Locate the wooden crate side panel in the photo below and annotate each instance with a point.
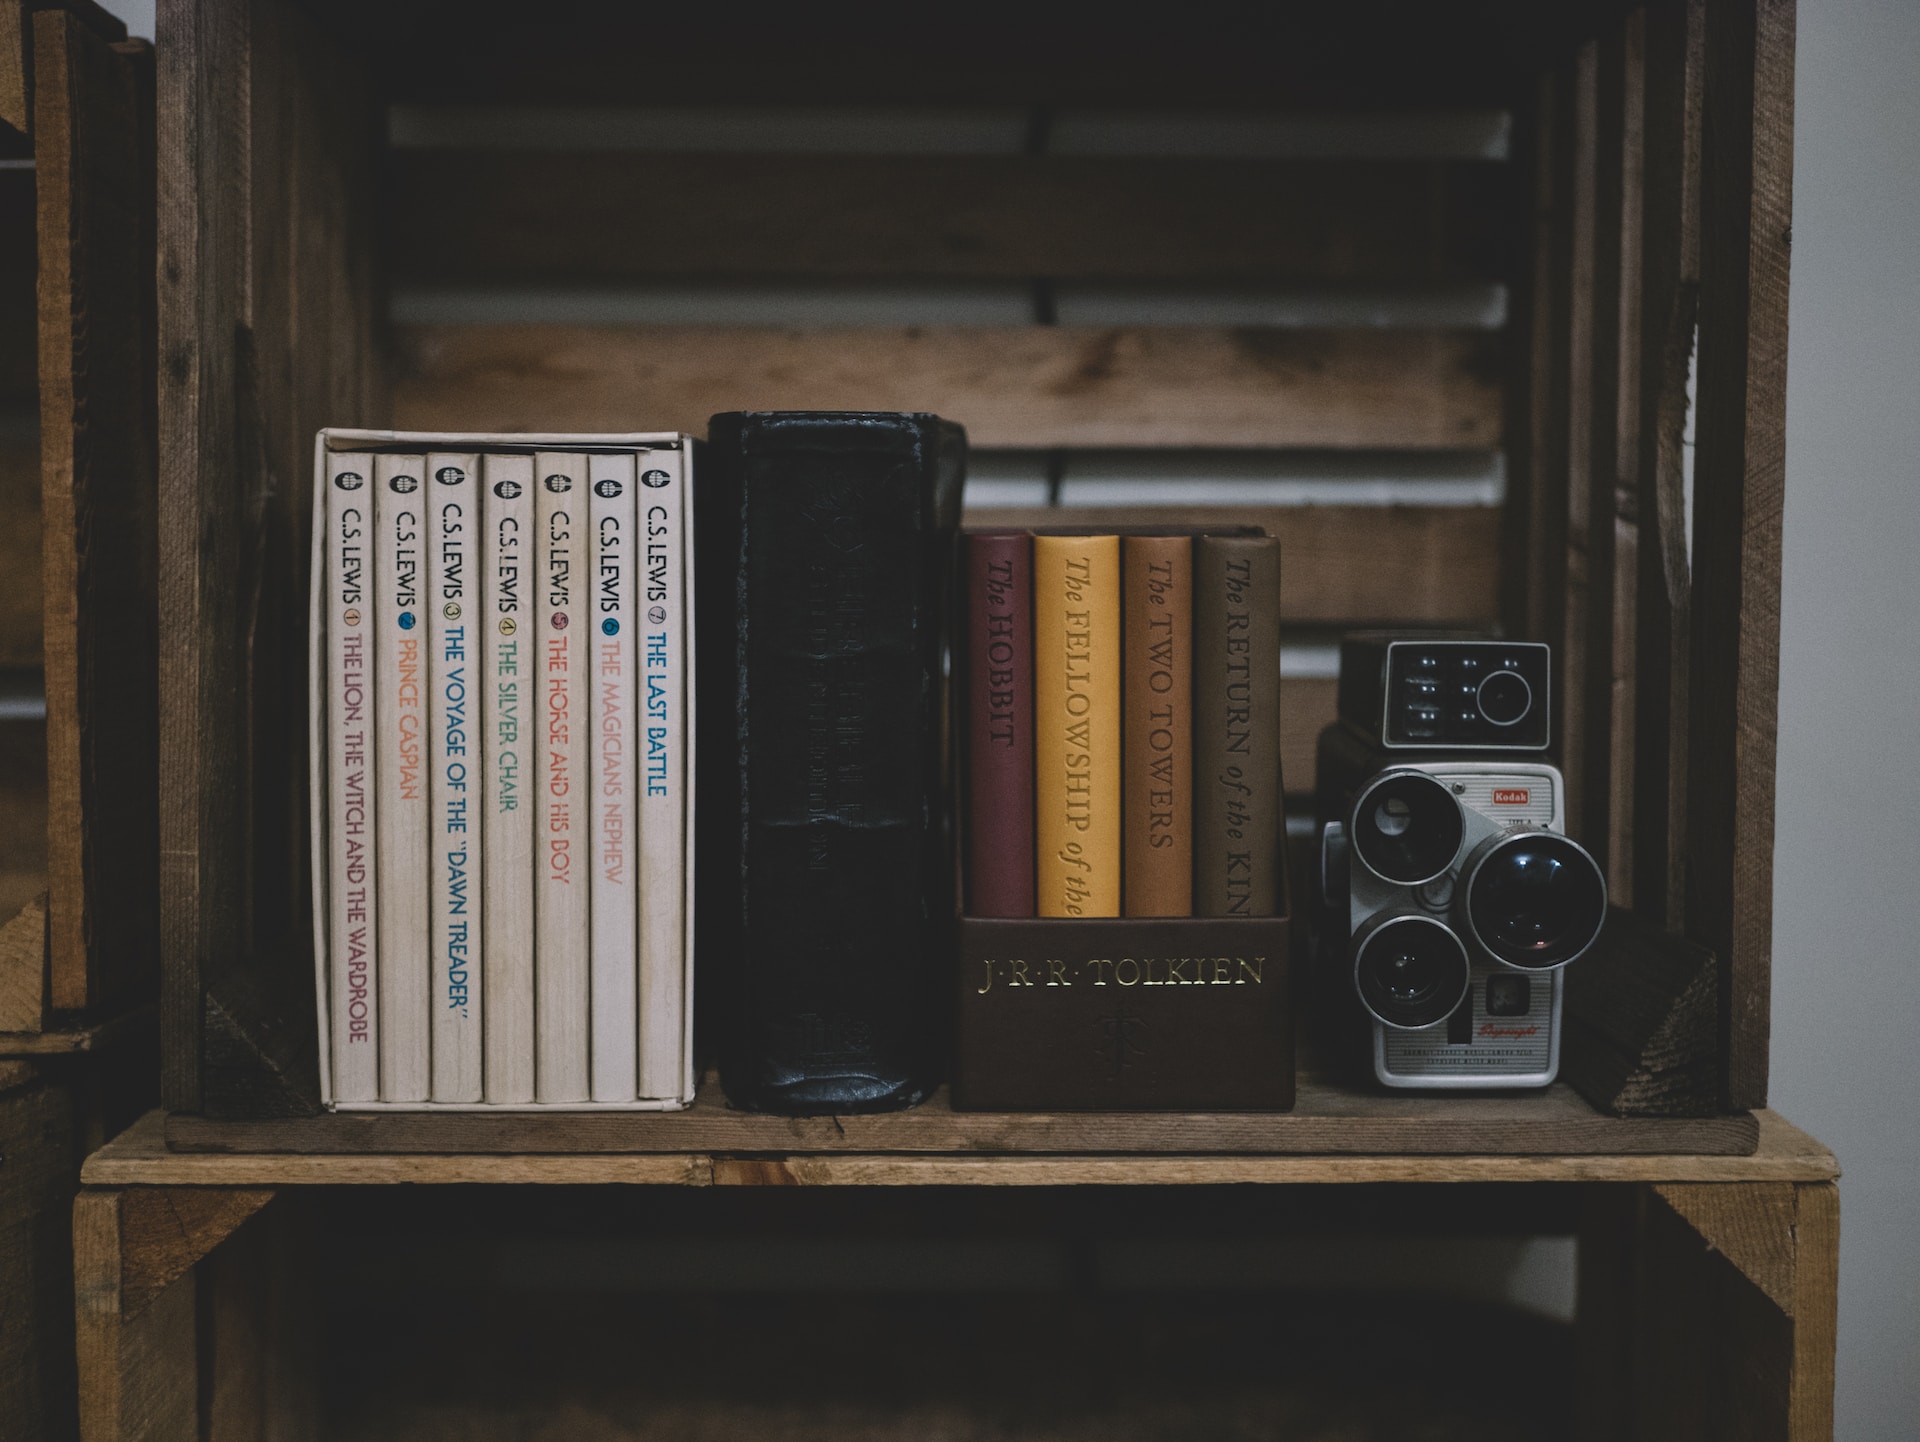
(202, 59)
(1735, 1307)
(269, 135)
(487, 215)
(138, 1368)
(1739, 491)
(1617, 270)
(94, 163)
(1670, 272)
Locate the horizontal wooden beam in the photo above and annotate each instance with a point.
(1027, 387)
(597, 216)
(1339, 564)
(1564, 1141)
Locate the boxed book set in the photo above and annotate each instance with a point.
(501, 672)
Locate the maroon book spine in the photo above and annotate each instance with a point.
(999, 622)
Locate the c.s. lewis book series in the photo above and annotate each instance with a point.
(662, 678)
(456, 789)
(520, 764)
(506, 508)
(561, 868)
(400, 766)
(614, 892)
(351, 724)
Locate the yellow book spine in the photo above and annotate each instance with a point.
(1076, 664)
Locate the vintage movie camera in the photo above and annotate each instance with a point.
(1452, 898)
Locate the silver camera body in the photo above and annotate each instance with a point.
(1454, 899)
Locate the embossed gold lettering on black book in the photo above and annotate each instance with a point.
(827, 553)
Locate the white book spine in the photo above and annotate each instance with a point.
(353, 935)
(400, 766)
(615, 888)
(663, 626)
(563, 812)
(506, 508)
(457, 791)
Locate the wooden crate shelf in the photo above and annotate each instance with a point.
(930, 1147)
(1328, 1119)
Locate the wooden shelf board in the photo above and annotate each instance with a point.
(1329, 1118)
(140, 1157)
(934, 1146)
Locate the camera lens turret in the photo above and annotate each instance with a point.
(1406, 827)
(1534, 899)
(1410, 970)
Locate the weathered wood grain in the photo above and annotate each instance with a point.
(1307, 705)
(93, 121)
(21, 601)
(138, 1372)
(23, 969)
(1816, 1310)
(1751, 1226)
(204, 199)
(1027, 387)
(1737, 1290)
(1424, 565)
(133, 1030)
(1663, 587)
(269, 320)
(36, 1302)
(1622, 507)
(1641, 1036)
(1746, 209)
(164, 1232)
(488, 215)
(1329, 1119)
(1572, 583)
(16, 50)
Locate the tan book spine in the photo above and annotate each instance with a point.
(507, 639)
(563, 565)
(1157, 725)
(1076, 648)
(661, 620)
(402, 681)
(455, 791)
(352, 787)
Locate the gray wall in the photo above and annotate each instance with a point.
(1846, 946)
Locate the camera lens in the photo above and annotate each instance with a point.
(1535, 899)
(1411, 971)
(1406, 827)
(1505, 698)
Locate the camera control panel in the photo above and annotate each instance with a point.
(1447, 694)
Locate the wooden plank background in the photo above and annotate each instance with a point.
(1021, 387)
(512, 215)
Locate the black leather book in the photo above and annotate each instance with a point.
(827, 543)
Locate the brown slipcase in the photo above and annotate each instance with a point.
(1124, 1014)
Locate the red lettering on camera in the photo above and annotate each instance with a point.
(1510, 795)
